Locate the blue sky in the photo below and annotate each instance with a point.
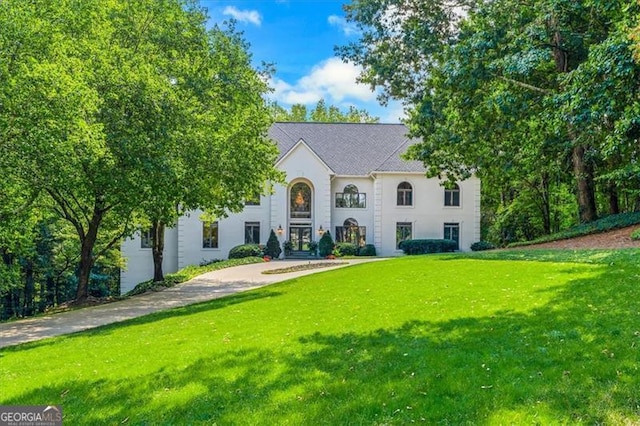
(298, 36)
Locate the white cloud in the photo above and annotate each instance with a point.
(394, 113)
(347, 28)
(332, 80)
(246, 16)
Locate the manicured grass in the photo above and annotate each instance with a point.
(536, 337)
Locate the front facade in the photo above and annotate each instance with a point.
(345, 178)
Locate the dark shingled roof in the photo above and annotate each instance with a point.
(355, 149)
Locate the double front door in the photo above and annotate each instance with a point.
(300, 237)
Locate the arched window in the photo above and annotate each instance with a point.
(300, 201)
(452, 195)
(351, 198)
(350, 189)
(405, 194)
(350, 232)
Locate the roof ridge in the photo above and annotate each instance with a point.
(276, 123)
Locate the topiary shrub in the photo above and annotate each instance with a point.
(273, 246)
(245, 250)
(347, 249)
(428, 246)
(482, 245)
(325, 245)
(366, 250)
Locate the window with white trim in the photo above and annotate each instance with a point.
(452, 232)
(404, 231)
(405, 194)
(351, 198)
(452, 195)
(210, 234)
(252, 232)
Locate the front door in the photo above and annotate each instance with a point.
(300, 237)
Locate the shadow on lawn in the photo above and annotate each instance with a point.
(193, 309)
(573, 360)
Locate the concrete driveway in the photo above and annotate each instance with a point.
(211, 285)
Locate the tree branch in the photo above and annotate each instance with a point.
(525, 85)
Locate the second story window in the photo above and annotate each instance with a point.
(253, 201)
(405, 194)
(452, 195)
(351, 198)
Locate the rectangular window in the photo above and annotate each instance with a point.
(452, 197)
(210, 234)
(252, 232)
(404, 231)
(253, 201)
(452, 232)
(351, 201)
(146, 240)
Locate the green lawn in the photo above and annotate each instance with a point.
(491, 338)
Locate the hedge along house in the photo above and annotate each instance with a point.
(348, 178)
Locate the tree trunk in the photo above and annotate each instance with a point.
(87, 259)
(157, 248)
(585, 187)
(29, 290)
(614, 201)
(582, 170)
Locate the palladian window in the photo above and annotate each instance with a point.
(350, 232)
(351, 198)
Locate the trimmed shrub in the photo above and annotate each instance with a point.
(482, 245)
(273, 246)
(367, 250)
(347, 249)
(427, 246)
(313, 248)
(245, 250)
(325, 246)
(288, 247)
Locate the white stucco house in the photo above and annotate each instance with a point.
(344, 177)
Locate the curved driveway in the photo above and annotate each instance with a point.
(211, 285)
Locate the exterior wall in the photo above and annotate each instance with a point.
(139, 261)
(428, 213)
(364, 217)
(230, 233)
(301, 164)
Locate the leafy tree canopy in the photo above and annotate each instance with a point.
(321, 113)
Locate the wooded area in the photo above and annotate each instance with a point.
(116, 116)
(539, 99)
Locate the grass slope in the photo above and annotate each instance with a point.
(607, 223)
(493, 338)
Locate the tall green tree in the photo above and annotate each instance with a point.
(499, 90)
(103, 112)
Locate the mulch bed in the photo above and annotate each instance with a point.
(619, 238)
